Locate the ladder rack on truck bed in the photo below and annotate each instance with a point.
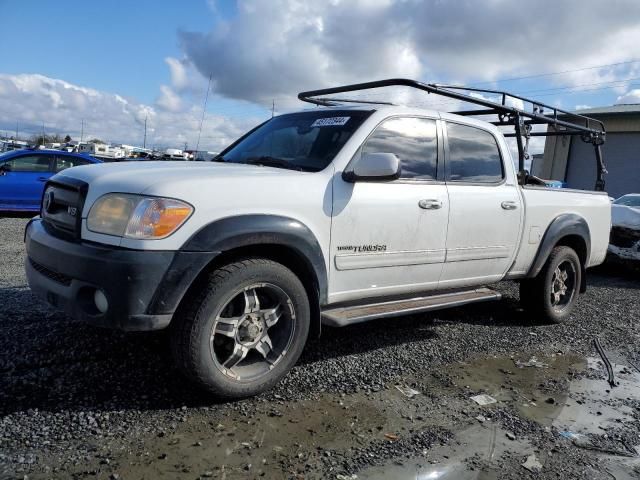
(563, 122)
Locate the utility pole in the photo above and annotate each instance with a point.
(144, 141)
(43, 139)
(273, 107)
(81, 130)
(16, 130)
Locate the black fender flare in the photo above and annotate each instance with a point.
(253, 230)
(562, 226)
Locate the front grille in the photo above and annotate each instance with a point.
(55, 276)
(62, 205)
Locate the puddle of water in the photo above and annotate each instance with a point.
(486, 442)
(593, 406)
(538, 393)
(549, 392)
(286, 439)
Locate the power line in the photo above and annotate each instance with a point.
(548, 74)
(612, 83)
(574, 92)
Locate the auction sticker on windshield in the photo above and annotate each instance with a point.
(330, 122)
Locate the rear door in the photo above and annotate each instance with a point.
(23, 181)
(388, 237)
(67, 161)
(485, 208)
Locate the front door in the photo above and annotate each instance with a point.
(22, 181)
(485, 210)
(388, 237)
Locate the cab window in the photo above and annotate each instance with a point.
(28, 163)
(473, 155)
(413, 140)
(64, 162)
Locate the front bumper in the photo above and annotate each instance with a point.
(142, 288)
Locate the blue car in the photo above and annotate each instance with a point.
(23, 174)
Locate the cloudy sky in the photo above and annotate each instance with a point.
(112, 64)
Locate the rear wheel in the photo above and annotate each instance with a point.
(244, 330)
(552, 294)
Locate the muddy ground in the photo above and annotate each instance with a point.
(79, 402)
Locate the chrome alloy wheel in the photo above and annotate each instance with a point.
(252, 331)
(563, 283)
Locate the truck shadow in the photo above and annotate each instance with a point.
(51, 363)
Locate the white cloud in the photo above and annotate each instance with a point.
(185, 78)
(275, 49)
(178, 71)
(169, 100)
(632, 96)
(33, 99)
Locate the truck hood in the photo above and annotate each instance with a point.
(138, 177)
(215, 190)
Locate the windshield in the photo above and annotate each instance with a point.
(300, 141)
(629, 200)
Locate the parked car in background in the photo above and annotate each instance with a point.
(23, 174)
(108, 153)
(624, 243)
(9, 145)
(630, 200)
(174, 154)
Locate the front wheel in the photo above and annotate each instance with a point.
(241, 333)
(552, 294)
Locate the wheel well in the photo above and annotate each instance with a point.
(287, 256)
(578, 244)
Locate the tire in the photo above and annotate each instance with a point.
(541, 296)
(261, 315)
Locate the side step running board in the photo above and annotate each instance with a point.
(342, 316)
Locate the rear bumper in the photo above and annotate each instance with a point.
(142, 288)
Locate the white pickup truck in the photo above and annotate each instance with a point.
(333, 215)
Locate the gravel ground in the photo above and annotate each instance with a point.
(78, 401)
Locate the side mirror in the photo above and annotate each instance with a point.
(374, 166)
(4, 169)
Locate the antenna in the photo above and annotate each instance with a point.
(273, 107)
(82, 131)
(144, 141)
(204, 109)
(43, 139)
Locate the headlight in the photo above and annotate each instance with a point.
(135, 216)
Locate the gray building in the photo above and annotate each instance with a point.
(571, 160)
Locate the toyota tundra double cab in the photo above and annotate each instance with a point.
(333, 215)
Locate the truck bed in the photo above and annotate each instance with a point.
(544, 204)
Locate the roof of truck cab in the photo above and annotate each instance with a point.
(43, 151)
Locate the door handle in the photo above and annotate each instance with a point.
(509, 205)
(430, 204)
(42, 179)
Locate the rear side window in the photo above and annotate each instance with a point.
(473, 155)
(413, 140)
(29, 163)
(65, 162)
